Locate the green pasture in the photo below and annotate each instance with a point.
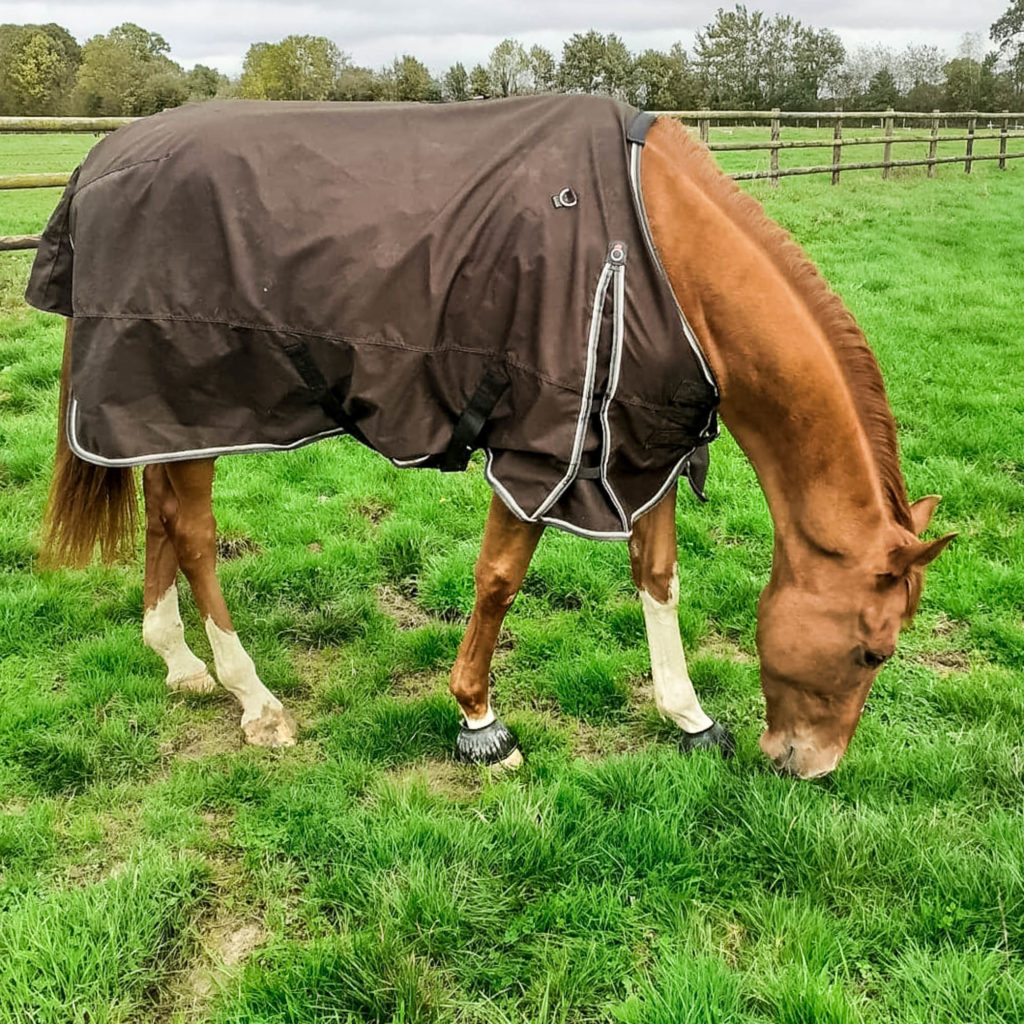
(153, 870)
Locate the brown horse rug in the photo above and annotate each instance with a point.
(249, 276)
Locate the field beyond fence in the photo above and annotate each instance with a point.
(891, 140)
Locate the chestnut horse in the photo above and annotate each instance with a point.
(800, 391)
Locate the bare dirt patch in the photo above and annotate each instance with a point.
(945, 663)
(223, 945)
(229, 548)
(406, 613)
(416, 685)
(716, 645)
(448, 778)
(945, 626)
(373, 511)
(207, 737)
(595, 742)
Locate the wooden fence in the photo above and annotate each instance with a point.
(1010, 127)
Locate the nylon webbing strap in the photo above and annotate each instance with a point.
(314, 380)
(473, 419)
(640, 126)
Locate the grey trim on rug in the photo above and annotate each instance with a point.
(618, 336)
(198, 453)
(636, 149)
(587, 399)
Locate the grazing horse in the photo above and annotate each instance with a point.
(793, 378)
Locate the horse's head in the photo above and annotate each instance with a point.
(824, 631)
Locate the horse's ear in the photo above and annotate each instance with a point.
(922, 510)
(916, 554)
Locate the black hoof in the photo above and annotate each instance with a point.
(715, 735)
(493, 744)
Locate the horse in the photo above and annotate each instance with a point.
(798, 388)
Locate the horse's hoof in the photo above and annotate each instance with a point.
(201, 682)
(715, 735)
(494, 744)
(275, 727)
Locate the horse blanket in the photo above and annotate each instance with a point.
(252, 276)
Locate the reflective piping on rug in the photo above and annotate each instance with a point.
(580, 531)
(406, 463)
(672, 478)
(638, 200)
(636, 149)
(587, 399)
(198, 453)
(618, 333)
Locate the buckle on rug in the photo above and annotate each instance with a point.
(566, 198)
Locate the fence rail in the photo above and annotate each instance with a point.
(939, 119)
(1011, 127)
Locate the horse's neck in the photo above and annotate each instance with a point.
(784, 396)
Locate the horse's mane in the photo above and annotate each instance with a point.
(857, 361)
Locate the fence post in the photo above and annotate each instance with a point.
(776, 131)
(837, 150)
(971, 122)
(890, 122)
(705, 129)
(1004, 131)
(933, 146)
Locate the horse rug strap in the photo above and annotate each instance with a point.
(473, 419)
(430, 279)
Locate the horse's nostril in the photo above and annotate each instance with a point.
(784, 762)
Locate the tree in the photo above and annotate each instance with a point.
(593, 63)
(849, 83)
(356, 84)
(204, 83)
(816, 58)
(38, 64)
(480, 82)
(882, 92)
(665, 81)
(407, 80)
(543, 69)
(1009, 25)
(1008, 32)
(728, 53)
(748, 60)
(296, 68)
(114, 77)
(413, 81)
(918, 65)
(509, 68)
(455, 85)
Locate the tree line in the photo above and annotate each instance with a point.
(743, 59)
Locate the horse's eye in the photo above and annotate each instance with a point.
(873, 659)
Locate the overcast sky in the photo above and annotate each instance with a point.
(441, 32)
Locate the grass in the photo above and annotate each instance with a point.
(152, 869)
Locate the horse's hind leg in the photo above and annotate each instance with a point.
(162, 629)
(652, 555)
(265, 722)
(505, 554)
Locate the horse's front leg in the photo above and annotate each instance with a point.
(653, 557)
(505, 554)
(193, 530)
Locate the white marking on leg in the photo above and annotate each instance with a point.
(237, 673)
(674, 695)
(480, 723)
(163, 632)
(265, 721)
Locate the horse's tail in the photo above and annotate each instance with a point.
(87, 503)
